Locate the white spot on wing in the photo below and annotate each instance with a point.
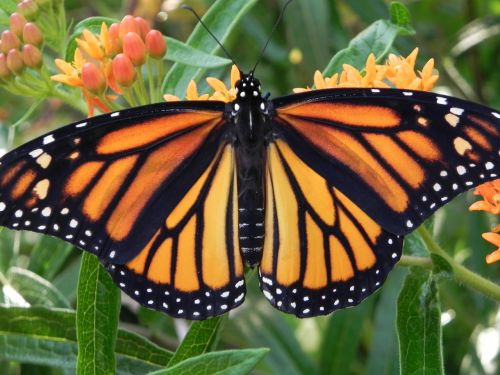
(48, 139)
(36, 153)
(456, 111)
(441, 100)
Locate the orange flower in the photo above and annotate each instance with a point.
(221, 92)
(70, 71)
(91, 45)
(490, 191)
(494, 238)
(397, 72)
(100, 50)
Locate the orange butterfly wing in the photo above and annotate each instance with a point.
(321, 251)
(116, 186)
(399, 155)
(349, 172)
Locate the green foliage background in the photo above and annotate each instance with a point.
(51, 337)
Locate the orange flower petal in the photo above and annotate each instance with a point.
(217, 85)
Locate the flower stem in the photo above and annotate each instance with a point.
(151, 81)
(69, 99)
(410, 261)
(141, 88)
(460, 273)
(159, 77)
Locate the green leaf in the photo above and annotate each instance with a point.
(342, 338)
(182, 53)
(221, 19)
(48, 337)
(8, 6)
(369, 11)
(35, 289)
(6, 249)
(48, 256)
(315, 30)
(414, 245)
(419, 325)
(261, 328)
(400, 15)
(200, 339)
(378, 39)
(441, 266)
(383, 359)
(227, 362)
(98, 307)
(93, 24)
(67, 280)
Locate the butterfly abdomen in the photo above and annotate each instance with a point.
(251, 233)
(250, 204)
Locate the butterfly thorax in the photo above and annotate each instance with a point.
(249, 115)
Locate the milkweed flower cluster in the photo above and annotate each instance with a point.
(21, 58)
(490, 192)
(221, 92)
(397, 72)
(111, 63)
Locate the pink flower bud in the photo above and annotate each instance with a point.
(17, 22)
(32, 34)
(93, 78)
(123, 70)
(143, 26)
(9, 41)
(4, 69)
(156, 44)
(32, 56)
(28, 9)
(129, 25)
(134, 48)
(15, 61)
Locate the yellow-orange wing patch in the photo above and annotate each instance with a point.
(321, 251)
(192, 267)
(398, 155)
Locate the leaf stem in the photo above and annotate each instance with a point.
(460, 273)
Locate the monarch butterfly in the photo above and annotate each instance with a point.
(315, 189)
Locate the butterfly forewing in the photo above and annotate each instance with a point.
(399, 155)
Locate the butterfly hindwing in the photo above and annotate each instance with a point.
(321, 251)
(192, 267)
(399, 155)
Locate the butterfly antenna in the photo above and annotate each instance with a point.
(282, 12)
(187, 7)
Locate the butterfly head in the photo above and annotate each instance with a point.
(248, 88)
